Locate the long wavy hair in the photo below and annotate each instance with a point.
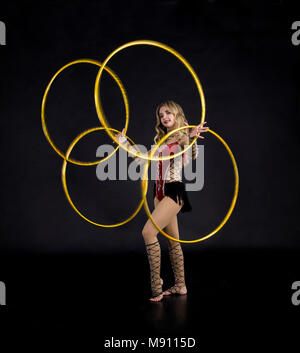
(180, 118)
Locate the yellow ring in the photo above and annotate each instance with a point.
(64, 183)
(115, 77)
(100, 111)
(144, 185)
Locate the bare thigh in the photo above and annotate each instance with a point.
(163, 213)
(156, 201)
(172, 228)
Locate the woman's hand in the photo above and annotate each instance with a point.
(118, 136)
(195, 131)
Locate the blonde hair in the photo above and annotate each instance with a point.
(180, 119)
(178, 113)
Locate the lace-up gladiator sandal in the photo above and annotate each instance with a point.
(154, 257)
(177, 262)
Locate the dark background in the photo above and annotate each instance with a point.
(244, 57)
(249, 68)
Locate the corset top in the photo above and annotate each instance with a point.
(171, 169)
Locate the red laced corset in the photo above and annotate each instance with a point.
(168, 169)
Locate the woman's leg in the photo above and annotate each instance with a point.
(164, 211)
(156, 201)
(176, 258)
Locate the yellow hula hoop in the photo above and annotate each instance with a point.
(144, 187)
(46, 133)
(64, 183)
(99, 108)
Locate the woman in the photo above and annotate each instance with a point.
(170, 195)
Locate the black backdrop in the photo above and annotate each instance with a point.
(249, 68)
(247, 64)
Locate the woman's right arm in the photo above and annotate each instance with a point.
(123, 140)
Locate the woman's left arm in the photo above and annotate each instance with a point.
(184, 141)
(187, 139)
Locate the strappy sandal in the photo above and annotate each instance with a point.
(177, 262)
(154, 256)
(156, 291)
(176, 289)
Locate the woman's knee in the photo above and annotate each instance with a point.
(149, 234)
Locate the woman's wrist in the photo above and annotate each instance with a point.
(192, 137)
(122, 139)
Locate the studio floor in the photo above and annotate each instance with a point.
(244, 295)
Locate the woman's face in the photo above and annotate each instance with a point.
(167, 118)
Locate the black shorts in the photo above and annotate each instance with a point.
(174, 189)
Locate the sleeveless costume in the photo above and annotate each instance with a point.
(168, 177)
